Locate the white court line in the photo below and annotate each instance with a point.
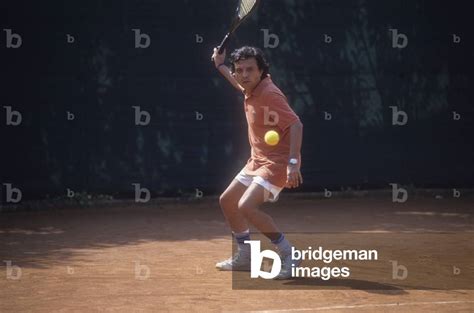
(357, 306)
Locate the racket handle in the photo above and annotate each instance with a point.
(223, 43)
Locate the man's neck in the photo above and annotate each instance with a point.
(249, 92)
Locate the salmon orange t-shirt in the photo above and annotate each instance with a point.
(266, 108)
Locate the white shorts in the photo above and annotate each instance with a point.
(271, 191)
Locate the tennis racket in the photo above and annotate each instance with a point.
(244, 9)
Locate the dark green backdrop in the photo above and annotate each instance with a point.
(356, 78)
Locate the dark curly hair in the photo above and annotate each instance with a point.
(247, 52)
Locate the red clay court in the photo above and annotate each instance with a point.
(159, 257)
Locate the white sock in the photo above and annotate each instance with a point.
(282, 244)
(240, 238)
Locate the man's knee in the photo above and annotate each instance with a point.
(247, 208)
(227, 202)
(223, 200)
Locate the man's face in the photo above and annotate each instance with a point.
(247, 73)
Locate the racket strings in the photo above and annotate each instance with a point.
(245, 7)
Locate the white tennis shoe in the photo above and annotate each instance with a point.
(287, 263)
(239, 262)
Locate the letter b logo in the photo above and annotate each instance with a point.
(396, 37)
(397, 191)
(139, 268)
(396, 269)
(139, 114)
(139, 191)
(256, 259)
(13, 195)
(13, 117)
(269, 40)
(270, 117)
(398, 113)
(138, 39)
(12, 40)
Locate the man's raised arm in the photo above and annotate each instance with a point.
(219, 62)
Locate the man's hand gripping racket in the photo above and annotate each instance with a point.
(244, 8)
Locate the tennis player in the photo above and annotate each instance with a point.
(269, 168)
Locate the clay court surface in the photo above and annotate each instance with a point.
(160, 256)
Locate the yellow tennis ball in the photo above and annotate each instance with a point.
(272, 138)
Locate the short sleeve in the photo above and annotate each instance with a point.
(278, 104)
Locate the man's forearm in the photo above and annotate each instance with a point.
(224, 70)
(296, 138)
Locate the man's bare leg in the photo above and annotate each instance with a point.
(249, 205)
(229, 201)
